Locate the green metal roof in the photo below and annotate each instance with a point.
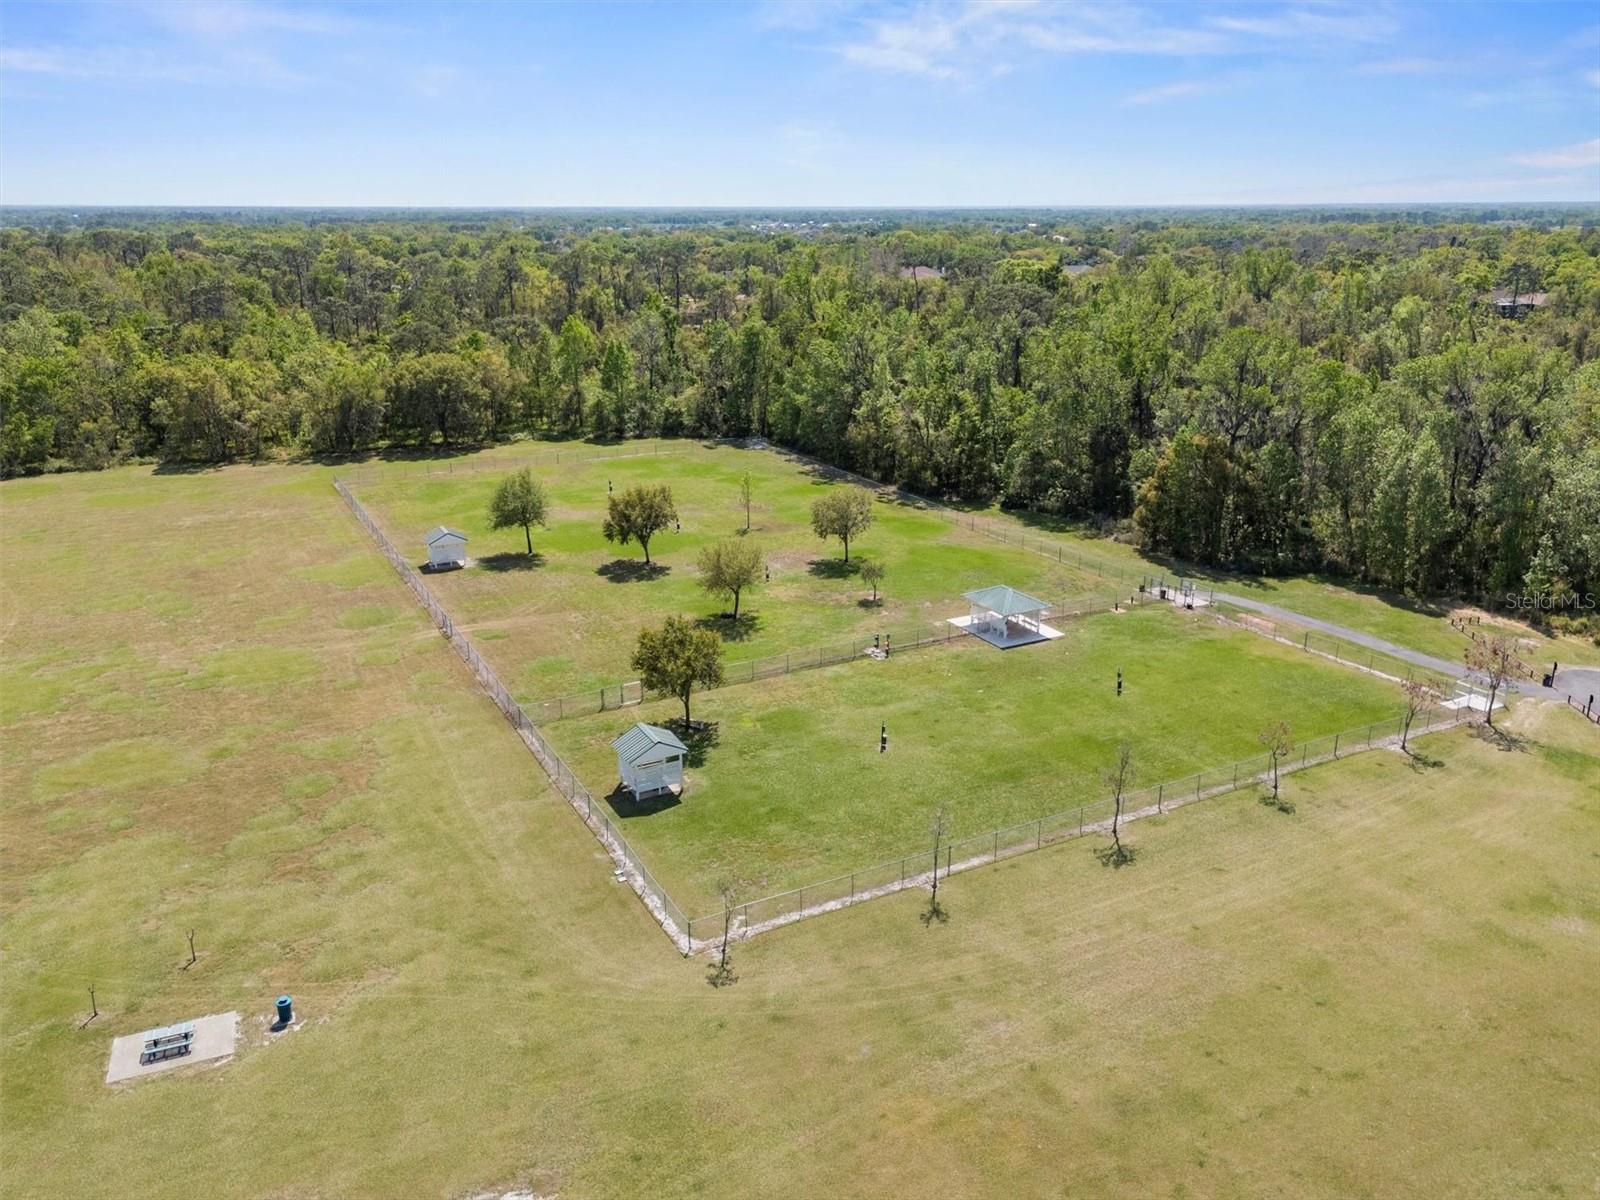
(1005, 601)
(642, 738)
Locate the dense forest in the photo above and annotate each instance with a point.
(1272, 393)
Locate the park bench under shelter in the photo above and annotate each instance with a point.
(1005, 617)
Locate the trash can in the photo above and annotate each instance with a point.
(285, 1010)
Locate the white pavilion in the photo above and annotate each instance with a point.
(1005, 617)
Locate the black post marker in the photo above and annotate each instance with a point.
(883, 739)
(1119, 683)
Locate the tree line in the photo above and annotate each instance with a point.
(1266, 394)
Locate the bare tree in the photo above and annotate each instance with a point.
(1118, 777)
(1277, 739)
(939, 827)
(746, 492)
(1496, 662)
(1421, 695)
(722, 974)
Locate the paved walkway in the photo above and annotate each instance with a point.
(1572, 683)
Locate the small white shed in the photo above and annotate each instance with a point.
(650, 760)
(447, 548)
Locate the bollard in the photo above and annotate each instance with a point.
(285, 1009)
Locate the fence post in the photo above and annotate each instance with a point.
(996, 855)
(1160, 790)
(1336, 745)
(1038, 834)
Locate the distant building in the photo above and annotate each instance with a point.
(921, 272)
(1517, 304)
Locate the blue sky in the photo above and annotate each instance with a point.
(797, 103)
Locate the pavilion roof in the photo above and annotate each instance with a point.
(1005, 601)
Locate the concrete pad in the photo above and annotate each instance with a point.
(214, 1037)
(1014, 635)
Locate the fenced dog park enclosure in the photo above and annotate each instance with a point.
(786, 787)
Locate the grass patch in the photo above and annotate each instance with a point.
(567, 620)
(793, 790)
(1390, 993)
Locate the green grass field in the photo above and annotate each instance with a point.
(567, 622)
(794, 791)
(222, 712)
(1417, 624)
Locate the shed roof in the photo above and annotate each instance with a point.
(1005, 601)
(444, 531)
(632, 746)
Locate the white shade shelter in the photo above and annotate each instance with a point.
(650, 760)
(1005, 617)
(446, 548)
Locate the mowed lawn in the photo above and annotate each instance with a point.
(223, 713)
(1406, 621)
(566, 621)
(793, 789)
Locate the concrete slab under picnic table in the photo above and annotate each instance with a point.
(214, 1037)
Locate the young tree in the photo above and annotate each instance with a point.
(939, 827)
(519, 500)
(1277, 740)
(1118, 777)
(843, 513)
(872, 572)
(638, 513)
(1420, 695)
(746, 493)
(1496, 662)
(722, 974)
(677, 658)
(727, 568)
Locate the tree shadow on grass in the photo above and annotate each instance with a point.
(626, 805)
(1500, 739)
(1420, 762)
(833, 568)
(1117, 857)
(1280, 802)
(631, 570)
(732, 629)
(518, 561)
(698, 737)
(869, 602)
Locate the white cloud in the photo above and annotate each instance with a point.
(201, 41)
(1405, 66)
(231, 19)
(1174, 91)
(1579, 154)
(1340, 23)
(956, 41)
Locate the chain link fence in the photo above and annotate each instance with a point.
(629, 864)
(912, 870)
(631, 693)
(404, 470)
(916, 870)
